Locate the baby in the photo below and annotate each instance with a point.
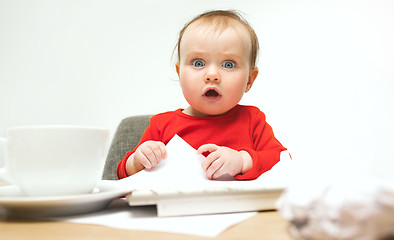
(216, 65)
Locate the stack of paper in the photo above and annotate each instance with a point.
(179, 186)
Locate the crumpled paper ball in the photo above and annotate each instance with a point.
(349, 208)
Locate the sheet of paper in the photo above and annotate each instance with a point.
(181, 170)
(120, 215)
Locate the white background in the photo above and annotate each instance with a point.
(326, 78)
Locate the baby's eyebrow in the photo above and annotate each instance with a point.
(196, 54)
(231, 56)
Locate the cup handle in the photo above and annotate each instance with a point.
(4, 174)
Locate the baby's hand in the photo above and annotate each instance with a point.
(224, 160)
(147, 155)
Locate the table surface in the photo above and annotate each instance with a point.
(265, 225)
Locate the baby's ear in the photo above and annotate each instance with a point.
(252, 76)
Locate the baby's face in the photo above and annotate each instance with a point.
(214, 69)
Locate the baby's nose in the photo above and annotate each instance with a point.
(212, 77)
(212, 74)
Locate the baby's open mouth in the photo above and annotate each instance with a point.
(211, 93)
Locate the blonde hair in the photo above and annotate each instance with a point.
(223, 19)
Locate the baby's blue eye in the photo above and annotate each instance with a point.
(228, 64)
(198, 63)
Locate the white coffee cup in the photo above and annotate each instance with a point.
(54, 160)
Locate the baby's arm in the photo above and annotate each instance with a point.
(147, 155)
(224, 160)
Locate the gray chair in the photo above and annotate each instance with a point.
(127, 136)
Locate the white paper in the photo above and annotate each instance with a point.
(181, 170)
(120, 215)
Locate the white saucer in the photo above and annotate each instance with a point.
(13, 204)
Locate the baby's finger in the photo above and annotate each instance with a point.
(215, 169)
(156, 157)
(207, 148)
(160, 153)
(163, 150)
(206, 163)
(150, 154)
(220, 172)
(141, 158)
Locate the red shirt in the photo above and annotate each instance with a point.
(241, 128)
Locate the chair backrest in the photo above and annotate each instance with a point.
(127, 136)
